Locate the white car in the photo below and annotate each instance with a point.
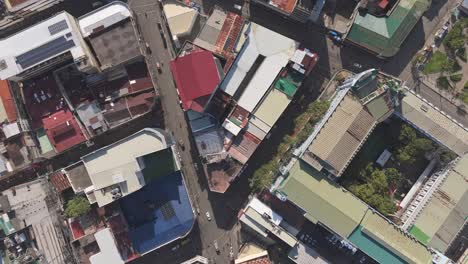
(238, 7)
(208, 216)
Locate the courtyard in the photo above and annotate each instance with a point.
(388, 165)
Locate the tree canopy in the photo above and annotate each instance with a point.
(264, 176)
(77, 206)
(412, 145)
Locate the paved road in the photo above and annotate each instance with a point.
(148, 15)
(223, 208)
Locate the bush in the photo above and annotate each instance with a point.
(439, 62)
(443, 83)
(461, 53)
(454, 67)
(412, 145)
(456, 77)
(264, 176)
(77, 206)
(376, 189)
(455, 39)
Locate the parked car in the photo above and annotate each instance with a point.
(216, 246)
(208, 216)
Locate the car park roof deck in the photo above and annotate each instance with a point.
(42, 98)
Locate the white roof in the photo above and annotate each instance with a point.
(180, 18)
(11, 129)
(277, 50)
(262, 80)
(117, 163)
(104, 16)
(231, 127)
(54, 28)
(263, 209)
(108, 249)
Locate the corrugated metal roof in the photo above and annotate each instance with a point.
(59, 181)
(259, 220)
(394, 239)
(272, 107)
(433, 122)
(343, 134)
(323, 200)
(277, 50)
(446, 212)
(196, 76)
(384, 35)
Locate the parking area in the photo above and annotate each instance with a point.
(330, 246)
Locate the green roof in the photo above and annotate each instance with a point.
(384, 35)
(379, 107)
(379, 232)
(289, 83)
(158, 164)
(323, 200)
(419, 234)
(373, 248)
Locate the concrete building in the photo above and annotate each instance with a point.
(434, 123)
(298, 10)
(270, 227)
(108, 248)
(220, 34)
(381, 28)
(114, 175)
(328, 204)
(361, 102)
(260, 84)
(251, 253)
(55, 41)
(180, 18)
(443, 216)
(109, 32)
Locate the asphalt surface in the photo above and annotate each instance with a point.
(148, 14)
(223, 208)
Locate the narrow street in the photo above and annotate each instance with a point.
(148, 14)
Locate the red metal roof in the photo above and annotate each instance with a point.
(63, 130)
(229, 34)
(60, 181)
(7, 100)
(196, 76)
(77, 229)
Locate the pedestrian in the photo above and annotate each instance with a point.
(146, 15)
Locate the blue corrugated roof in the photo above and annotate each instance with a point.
(373, 249)
(158, 213)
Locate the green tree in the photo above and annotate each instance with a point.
(393, 176)
(363, 191)
(263, 176)
(366, 173)
(382, 203)
(446, 156)
(412, 145)
(407, 134)
(317, 109)
(379, 182)
(77, 206)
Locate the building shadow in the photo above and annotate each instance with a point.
(412, 44)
